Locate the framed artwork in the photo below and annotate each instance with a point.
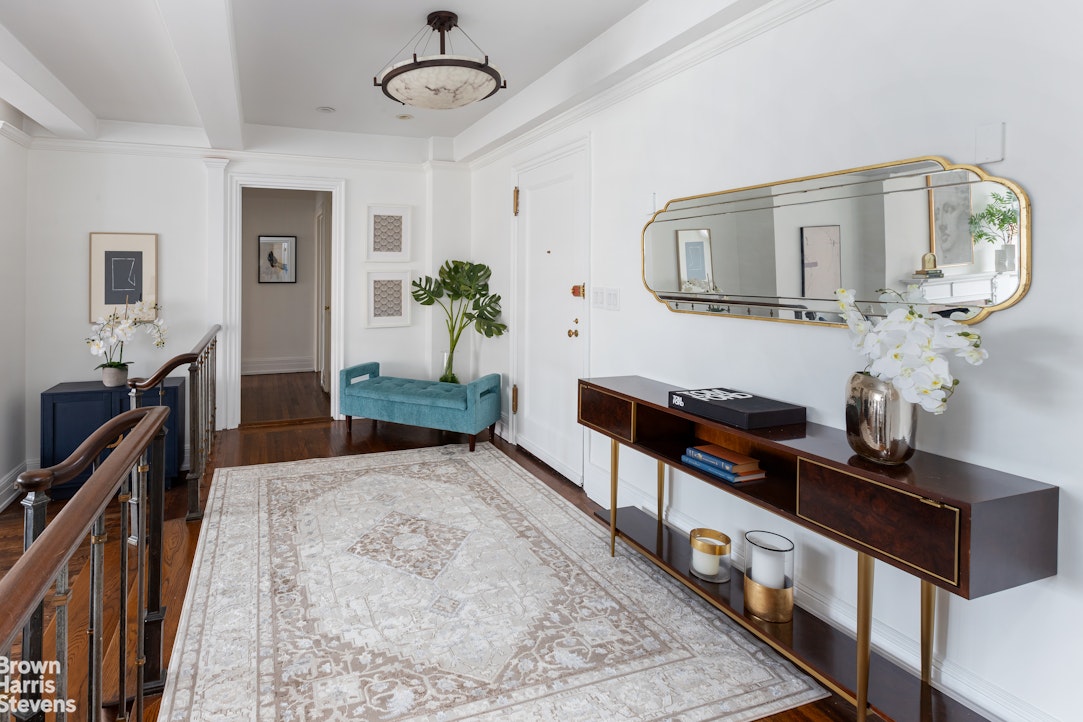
(949, 219)
(694, 270)
(821, 261)
(278, 259)
(389, 233)
(388, 298)
(123, 270)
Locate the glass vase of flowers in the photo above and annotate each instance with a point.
(907, 353)
(109, 334)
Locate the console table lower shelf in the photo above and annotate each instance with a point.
(823, 651)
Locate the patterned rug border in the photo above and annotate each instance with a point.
(783, 688)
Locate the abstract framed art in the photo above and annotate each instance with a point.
(821, 261)
(278, 259)
(694, 267)
(388, 298)
(123, 270)
(388, 234)
(949, 219)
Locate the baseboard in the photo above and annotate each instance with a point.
(280, 365)
(8, 493)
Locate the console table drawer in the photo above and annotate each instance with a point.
(604, 412)
(918, 532)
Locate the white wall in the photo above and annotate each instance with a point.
(826, 92)
(13, 159)
(278, 319)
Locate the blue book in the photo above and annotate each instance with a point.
(723, 458)
(719, 473)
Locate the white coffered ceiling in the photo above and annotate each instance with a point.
(252, 74)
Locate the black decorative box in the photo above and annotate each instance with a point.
(737, 408)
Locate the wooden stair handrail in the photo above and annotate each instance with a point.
(83, 456)
(176, 362)
(27, 582)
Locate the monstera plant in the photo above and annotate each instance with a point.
(461, 288)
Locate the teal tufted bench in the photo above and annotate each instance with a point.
(464, 408)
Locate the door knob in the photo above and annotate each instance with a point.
(572, 333)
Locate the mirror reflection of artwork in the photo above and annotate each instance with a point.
(949, 219)
(276, 259)
(821, 260)
(694, 261)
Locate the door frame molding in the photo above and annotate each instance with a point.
(229, 346)
(516, 306)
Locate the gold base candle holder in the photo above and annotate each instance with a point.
(769, 576)
(710, 555)
(768, 603)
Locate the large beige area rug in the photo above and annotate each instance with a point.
(439, 584)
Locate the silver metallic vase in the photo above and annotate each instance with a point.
(880, 425)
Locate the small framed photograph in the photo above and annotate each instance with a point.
(695, 269)
(389, 234)
(123, 270)
(949, 219)
(821, 261)
(388, 298)
(278, 259)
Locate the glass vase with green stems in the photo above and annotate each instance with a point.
(998, 221)
(461, 289)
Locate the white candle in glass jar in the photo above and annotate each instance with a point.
(768, 567)
(703, 562)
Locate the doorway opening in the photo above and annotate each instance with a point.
(285, 269)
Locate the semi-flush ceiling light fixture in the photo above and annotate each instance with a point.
(439, 81)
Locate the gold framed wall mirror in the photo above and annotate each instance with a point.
(952, 238)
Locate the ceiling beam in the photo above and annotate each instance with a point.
(29, 86)
(202, 35)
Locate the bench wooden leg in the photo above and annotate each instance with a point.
(473, 441)
(349, 426)
(492, 433)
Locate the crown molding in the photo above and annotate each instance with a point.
(9, 131)
(185, 152)
(721, 41)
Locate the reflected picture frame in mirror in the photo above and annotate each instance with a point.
(896, 218)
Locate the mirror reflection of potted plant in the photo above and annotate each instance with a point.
(461, 288)
(998, 223)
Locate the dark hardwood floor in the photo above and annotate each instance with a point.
(298, 434)
(275, 398)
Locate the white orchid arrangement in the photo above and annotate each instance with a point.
(910, 349)
(109, 334)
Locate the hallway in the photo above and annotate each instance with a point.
(269, 399)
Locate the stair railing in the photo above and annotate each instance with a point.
(123, 474)
(202, 390)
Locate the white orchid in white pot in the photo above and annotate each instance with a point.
(907, 353)
(109, 334)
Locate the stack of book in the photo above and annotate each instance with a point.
(723, 463)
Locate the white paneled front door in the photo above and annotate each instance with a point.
(553, 244)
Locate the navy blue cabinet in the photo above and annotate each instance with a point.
(70, 412)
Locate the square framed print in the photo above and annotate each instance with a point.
(949, 219)
(388, 298)
(821, 261)
(278, 259)
(389, 234)
(123, 270)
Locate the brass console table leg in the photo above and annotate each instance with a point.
(661, 496)
(928, 616)
(864, 632)
(614, 456)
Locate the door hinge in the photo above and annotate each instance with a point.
(515, 201)
(514, 399)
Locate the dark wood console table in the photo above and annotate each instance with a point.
(964, 528)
